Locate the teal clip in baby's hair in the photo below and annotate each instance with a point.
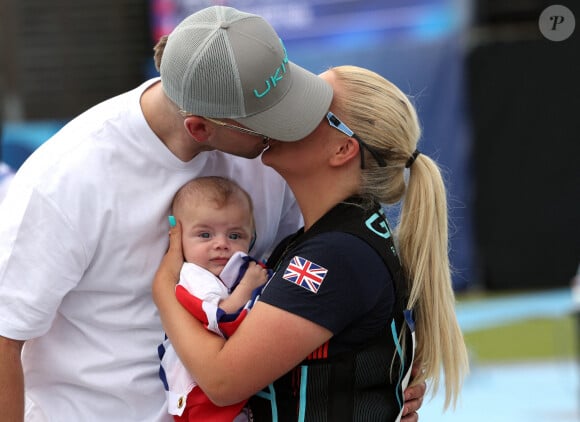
(172, 221)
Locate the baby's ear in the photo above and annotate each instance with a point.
(253, 241)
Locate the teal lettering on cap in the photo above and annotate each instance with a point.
(261, 94)
(276, 76)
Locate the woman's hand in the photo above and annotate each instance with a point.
(168, 272)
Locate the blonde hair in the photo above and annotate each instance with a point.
(383, 117)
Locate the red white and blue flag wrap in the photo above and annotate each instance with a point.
(184, 400)
(305, 273)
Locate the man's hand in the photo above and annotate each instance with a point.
(413, 398)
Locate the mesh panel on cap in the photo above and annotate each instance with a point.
(182, 65)
(207, 15)
(216, 90)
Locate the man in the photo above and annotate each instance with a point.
(83, 227)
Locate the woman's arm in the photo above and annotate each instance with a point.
(268, 343)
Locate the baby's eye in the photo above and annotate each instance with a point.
(205, 235)
(235, 236)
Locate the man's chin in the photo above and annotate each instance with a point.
(252, 154)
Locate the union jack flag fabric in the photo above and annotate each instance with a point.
(305, 273)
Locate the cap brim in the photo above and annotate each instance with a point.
(300, 111)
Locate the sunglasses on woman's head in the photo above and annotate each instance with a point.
(337, 124)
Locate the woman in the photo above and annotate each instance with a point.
(329, 336)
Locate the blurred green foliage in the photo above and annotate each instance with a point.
(534, 339)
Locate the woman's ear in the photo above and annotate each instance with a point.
(197, 128)
(345, 151)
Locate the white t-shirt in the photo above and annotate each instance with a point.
(82, 231)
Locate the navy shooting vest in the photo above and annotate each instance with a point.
(363, 385)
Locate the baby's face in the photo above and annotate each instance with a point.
(212, 234)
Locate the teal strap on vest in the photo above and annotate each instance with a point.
(399, 351)
(303, 384)
(271, 397)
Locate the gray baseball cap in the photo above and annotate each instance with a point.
(224, 63)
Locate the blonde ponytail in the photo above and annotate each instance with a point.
(423, 248)
(386, 120)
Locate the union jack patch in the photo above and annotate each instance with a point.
(305, 273)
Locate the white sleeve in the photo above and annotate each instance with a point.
(41, 259)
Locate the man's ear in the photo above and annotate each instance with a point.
(197, 128)
(345, 151)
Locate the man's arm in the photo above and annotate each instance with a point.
(11, 380)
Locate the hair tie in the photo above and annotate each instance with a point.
(412, 159)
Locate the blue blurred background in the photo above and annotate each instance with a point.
(497, 102)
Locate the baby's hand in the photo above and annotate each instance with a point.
(255, 276)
